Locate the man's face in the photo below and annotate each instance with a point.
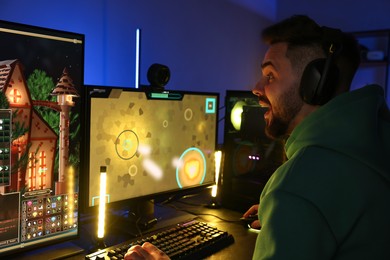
(278, 90)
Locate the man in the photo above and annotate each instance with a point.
(330, 200)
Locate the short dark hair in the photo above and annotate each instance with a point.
(306, 42)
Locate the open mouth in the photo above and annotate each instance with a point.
(264, 103)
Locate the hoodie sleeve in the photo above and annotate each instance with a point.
(292, 228)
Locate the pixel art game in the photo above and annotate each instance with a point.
(41, 72)
(150, 146)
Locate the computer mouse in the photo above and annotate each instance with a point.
(248, 220)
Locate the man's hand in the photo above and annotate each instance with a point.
(253, 211)
(146, 251)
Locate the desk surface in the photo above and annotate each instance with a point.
(174, 212)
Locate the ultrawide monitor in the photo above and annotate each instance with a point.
(150, 142)
(41, 73)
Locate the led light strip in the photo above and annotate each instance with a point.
(57, 38)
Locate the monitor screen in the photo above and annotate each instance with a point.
(150, 143)
(41, 72)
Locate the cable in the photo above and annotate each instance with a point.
(198, 213)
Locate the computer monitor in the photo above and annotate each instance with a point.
(41, 73)
(151, 143)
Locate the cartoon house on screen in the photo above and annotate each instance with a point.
(40, 141)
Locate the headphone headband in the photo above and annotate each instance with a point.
(331, 40)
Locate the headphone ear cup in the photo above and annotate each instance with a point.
(310, 79)
(318, 82)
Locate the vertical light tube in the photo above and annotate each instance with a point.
(102, 202)
(137, 56)
(218, 156)
(71, 193)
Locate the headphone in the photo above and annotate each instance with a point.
(320, 76)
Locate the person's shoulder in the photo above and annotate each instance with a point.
(316, 163)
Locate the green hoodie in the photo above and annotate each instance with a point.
(331, 199)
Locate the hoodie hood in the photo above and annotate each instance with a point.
(355, 123)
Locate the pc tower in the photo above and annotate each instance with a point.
(250, 157)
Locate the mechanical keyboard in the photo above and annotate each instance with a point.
(188, 240)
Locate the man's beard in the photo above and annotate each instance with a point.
(287, 107)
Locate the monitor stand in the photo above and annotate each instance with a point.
(137, 216)
(141, 213)
(144, 216)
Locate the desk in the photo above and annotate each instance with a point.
(224, 219)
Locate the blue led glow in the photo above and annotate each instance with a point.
(210, 105)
